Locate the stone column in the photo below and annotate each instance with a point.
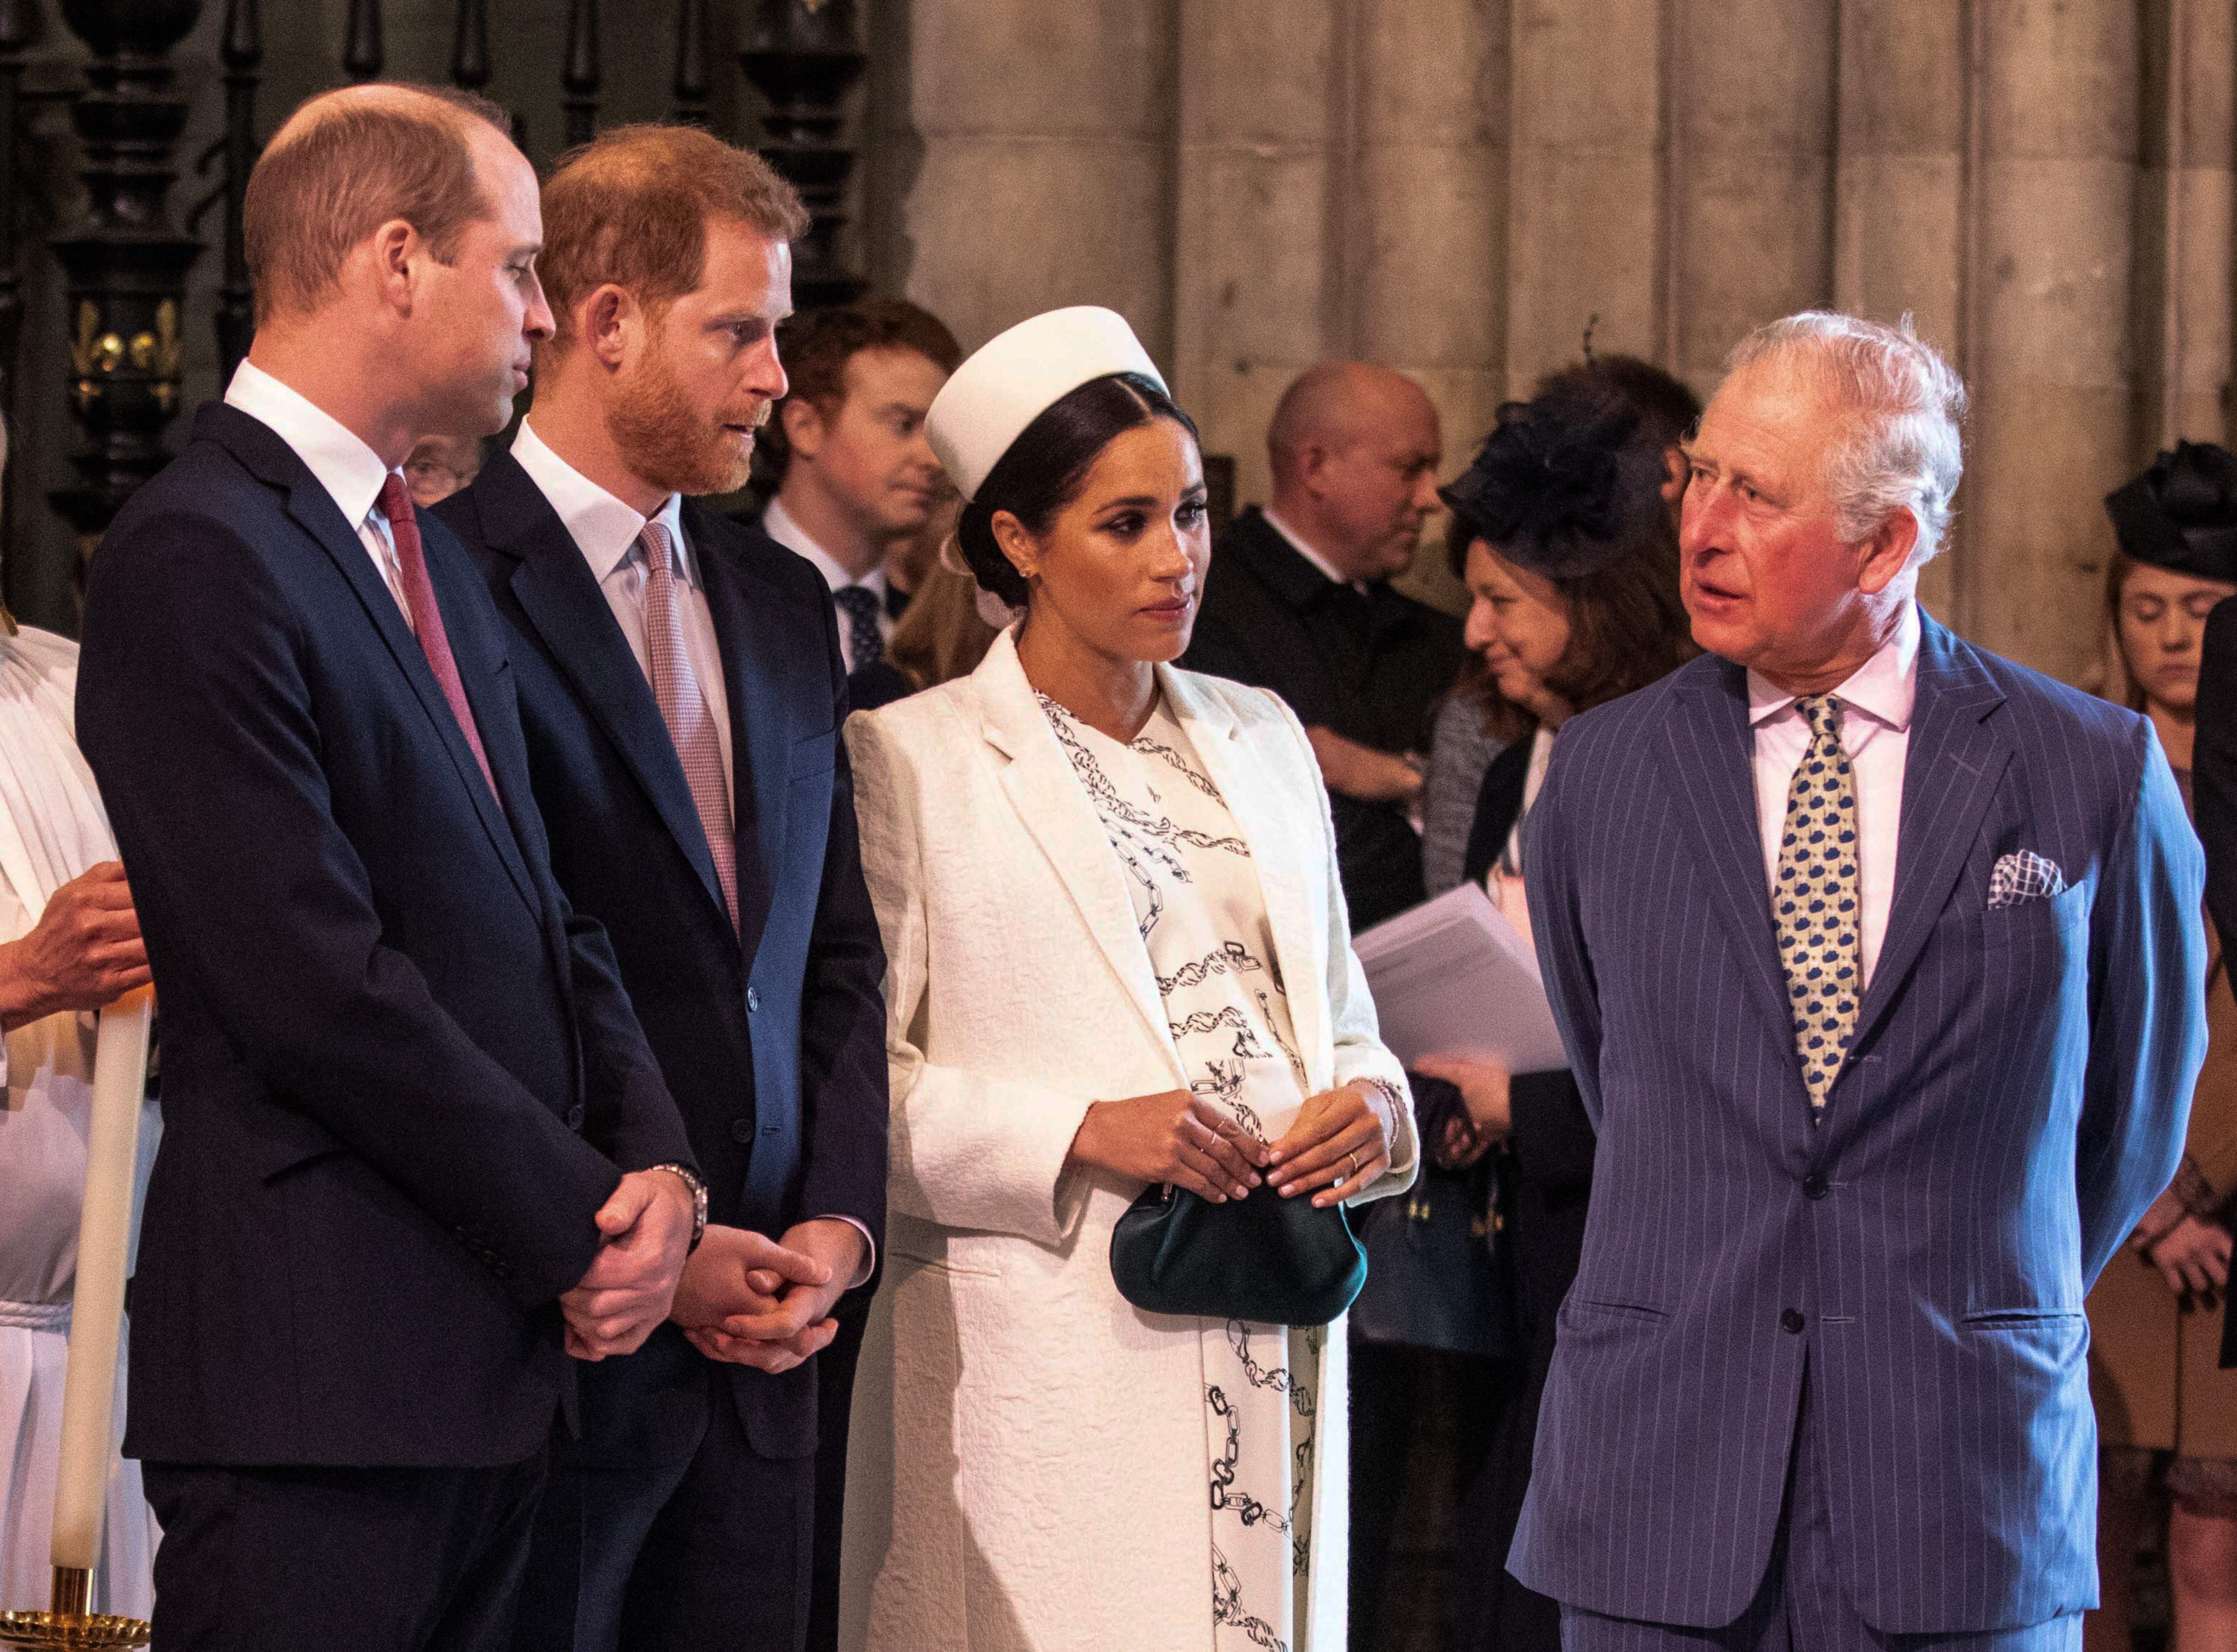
(1045, 173)
(1584, 222)
(1901, 197)
(2054, 222)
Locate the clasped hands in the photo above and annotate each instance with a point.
(2191, 1254)
(741, 1297)
(1336, 1147)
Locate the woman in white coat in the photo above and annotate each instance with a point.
(1118, 957)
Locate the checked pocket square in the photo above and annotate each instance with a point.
(2024, 875)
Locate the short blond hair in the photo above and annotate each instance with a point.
(348, 162)
(631, 207)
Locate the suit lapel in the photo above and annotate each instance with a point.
(561, 598)
(1956, 757)
(1274, 836)
(749, 633)
(1055, 809)
(313, 510)
(1708, 768)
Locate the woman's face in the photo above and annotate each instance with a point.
(1121, 568)
(2162, 619)
(1518, 622)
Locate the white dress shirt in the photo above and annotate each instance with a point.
(605, 530)
(1297, 544)
(1876, 707)
(351, 472)
(780, 525)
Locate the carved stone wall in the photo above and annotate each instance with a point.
(1459, 186)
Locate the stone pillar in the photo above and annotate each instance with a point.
(1261, 205)
(1902, 195)
(1044, 172)
(1584, 220)
(2054, 219)
(1750, 214)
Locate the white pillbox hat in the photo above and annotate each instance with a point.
(1015, 377)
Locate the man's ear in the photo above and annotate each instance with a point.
(803, 426)
(392, 254)
(1885, 551)
(610, 321)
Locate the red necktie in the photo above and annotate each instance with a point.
(426, 618)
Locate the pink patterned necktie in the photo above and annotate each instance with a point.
(426, 618)
(684, 708)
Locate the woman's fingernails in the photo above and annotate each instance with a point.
(1241, 1192)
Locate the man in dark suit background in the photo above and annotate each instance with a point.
(1299, 601)
(413, 1132)
(681, 685)
(857, 482)
(1879, 964)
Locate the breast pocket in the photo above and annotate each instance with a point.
(2045, 919)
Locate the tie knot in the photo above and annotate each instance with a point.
(395, 501)
(1824, 713)
(653, 538)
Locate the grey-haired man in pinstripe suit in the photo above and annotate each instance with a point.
(1880, 964)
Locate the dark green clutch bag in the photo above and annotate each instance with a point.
(1266, 1259)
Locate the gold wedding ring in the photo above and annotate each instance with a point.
(1352, 1159)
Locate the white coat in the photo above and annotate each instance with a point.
(1028, 1463)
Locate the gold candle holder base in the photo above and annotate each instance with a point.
(68, 1627)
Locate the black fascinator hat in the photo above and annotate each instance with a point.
(2182, 514)
(1564, 485)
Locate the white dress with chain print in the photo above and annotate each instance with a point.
(1203, 922)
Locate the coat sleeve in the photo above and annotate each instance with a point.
(968, 1150)
(1549, 877)
(842, 1012)
(1360, 1052)
(2147, 1013)
(626, 1084)
(200, 725)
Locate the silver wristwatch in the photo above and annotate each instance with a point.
(690, 1179)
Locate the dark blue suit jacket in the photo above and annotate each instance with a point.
(2015, 1097)
(398, 1072)
(772, 1039)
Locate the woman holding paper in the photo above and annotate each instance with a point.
(1562, 535)
(69, 943)
(1117, 956)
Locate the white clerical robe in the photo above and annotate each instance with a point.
(52, 827)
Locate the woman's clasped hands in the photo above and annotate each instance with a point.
(1336, 1147)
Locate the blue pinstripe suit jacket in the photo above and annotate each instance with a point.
(2016, 1097)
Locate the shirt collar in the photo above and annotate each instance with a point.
(1327, 568)
(351, 472)
(603, 528)
(780, 525)
(1884, 688)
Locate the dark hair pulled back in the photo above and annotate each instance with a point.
(1043, 470)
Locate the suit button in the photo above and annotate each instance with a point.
(741, 1129)
(574, 1116)
(752, 999)
(1791, 1322)
(1814, 1185)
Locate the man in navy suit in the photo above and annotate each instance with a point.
(416, 1150)
(681, 684)
(1880, 966)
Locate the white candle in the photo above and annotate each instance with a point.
(120, 1080)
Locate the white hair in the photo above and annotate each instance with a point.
(1904, 450)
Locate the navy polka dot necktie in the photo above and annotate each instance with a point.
(1817, 908)
(860, 607)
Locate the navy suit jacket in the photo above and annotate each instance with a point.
(772, 1037)
(399, 1074)
(2015, 1097)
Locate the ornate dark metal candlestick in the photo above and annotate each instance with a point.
(691, 82)
(125, 271)
(579, 78)
(19, 21)
(469, 58)
(361, 53)
(244, 53)
(803, 56)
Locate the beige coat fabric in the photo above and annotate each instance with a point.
(1028, 1464)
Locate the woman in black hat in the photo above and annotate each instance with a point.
(2164, 1408)
(1562, 534)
